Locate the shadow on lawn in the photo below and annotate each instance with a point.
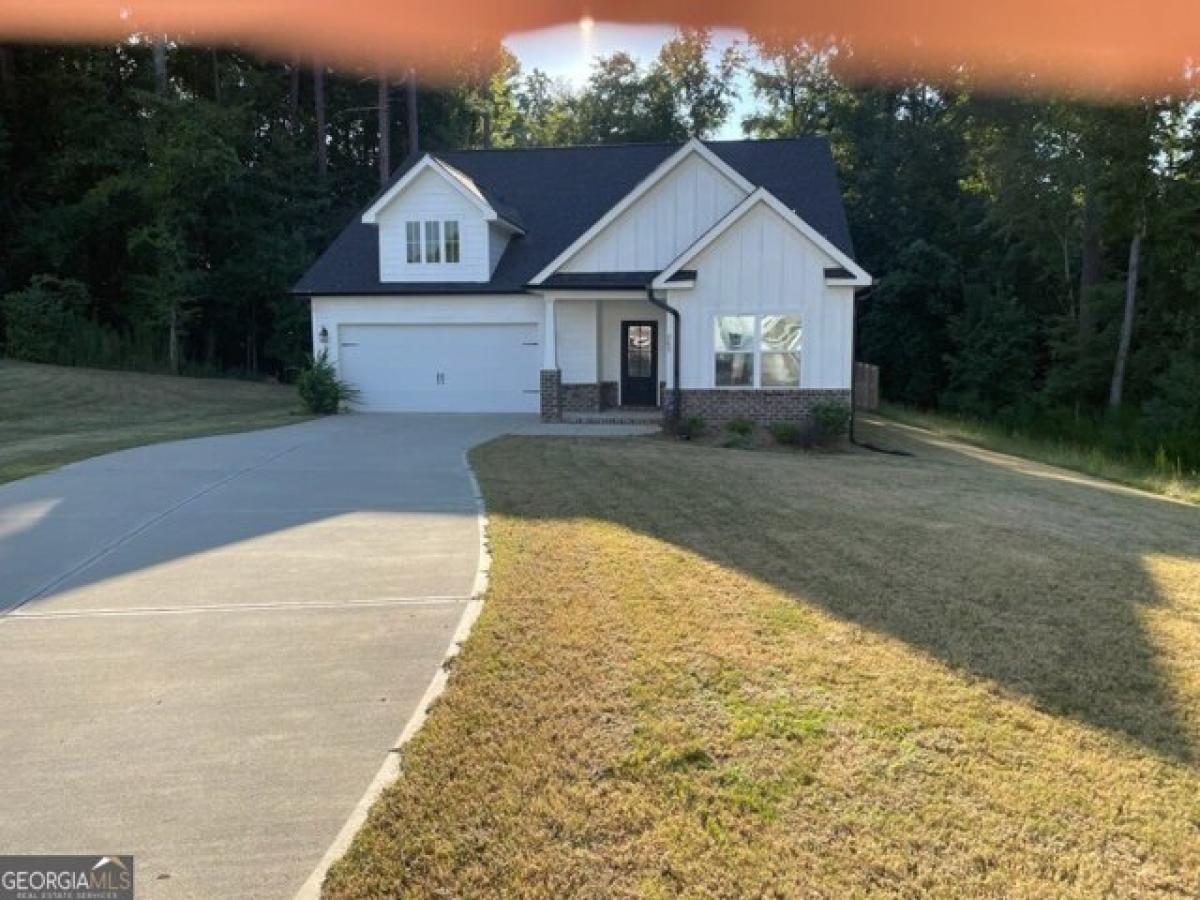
(1030, 577)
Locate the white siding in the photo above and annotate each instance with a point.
(431, 197)
(662, 223)
(763, 266)
(332, 313)
(497, 243)
(577, 341)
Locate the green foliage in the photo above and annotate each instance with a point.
(788, 433)
(740, 427)
(691, 427)
(905, 326)
(830, 420)
(320, 389)
(991, 365)
(40, 321)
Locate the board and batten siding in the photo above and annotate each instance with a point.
(764, 266)
(333, 312)
(663, 223)
(577, 344)
(431, 197)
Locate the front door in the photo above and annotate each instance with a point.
(639, 363)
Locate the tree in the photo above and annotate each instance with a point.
(700, 95)
(795, 86)
(322, 136)
(385, 131)
(410, 115)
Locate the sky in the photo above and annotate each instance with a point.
(566, 51)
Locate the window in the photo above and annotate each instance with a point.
(412, 237)
(735, 351)
(452, 247)
(433, 242)
(780, 349)
(757, 351)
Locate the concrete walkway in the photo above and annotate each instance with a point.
(207, 647)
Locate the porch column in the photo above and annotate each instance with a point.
(550, 382)
(549, 337)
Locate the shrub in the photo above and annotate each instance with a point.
(321, 391)
(787, 433)
(740, 427)
(830, 419)
(688, 428)
(40, 320)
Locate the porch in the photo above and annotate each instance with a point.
(605, 359)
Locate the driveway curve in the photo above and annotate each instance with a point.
(207, 647)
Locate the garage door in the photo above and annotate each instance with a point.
(442, 368)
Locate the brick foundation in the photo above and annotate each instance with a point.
(610, 394)
(716, 407)
(580, 398)
(550, 383)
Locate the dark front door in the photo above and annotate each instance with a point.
(639, 363)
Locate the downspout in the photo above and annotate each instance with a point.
(673, 414)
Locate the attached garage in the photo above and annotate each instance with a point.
(438, 367)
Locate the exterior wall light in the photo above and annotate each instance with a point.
(323, 335)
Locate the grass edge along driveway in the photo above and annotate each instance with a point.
(709, 672)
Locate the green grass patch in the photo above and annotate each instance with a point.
(1159, 474)
(54, 415)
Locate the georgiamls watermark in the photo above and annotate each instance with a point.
(66, 878)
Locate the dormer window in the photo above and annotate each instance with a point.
(433, 242)
(442, 241)
(452, 242)
(412, 235)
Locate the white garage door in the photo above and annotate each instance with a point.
(442, 368)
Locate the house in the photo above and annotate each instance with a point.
(572, 279)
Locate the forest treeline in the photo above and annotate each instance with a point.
(1037, 257)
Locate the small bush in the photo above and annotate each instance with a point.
(40, 321)
(740, 427)
(688, 428)
(831, 420)
(321, 391)
(788, 433)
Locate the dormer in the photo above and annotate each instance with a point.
(436, 225)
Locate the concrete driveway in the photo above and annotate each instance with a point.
(207, 648)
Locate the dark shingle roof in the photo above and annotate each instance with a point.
(557, 193)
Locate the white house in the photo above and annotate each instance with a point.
(563, 280)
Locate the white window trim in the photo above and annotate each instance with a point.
(756, 353)
(423, 242)
(409, 244)
(458, 241)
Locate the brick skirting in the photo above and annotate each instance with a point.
(550, 383)
(610, 394)
(717, 407)
(580, 397)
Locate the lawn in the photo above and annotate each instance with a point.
(709, 672)
(725, 673)
(1163, 477)
(53, 415)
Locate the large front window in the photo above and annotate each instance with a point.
(735, 351)
(757, 351)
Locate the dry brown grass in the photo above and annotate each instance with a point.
(720, 673)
